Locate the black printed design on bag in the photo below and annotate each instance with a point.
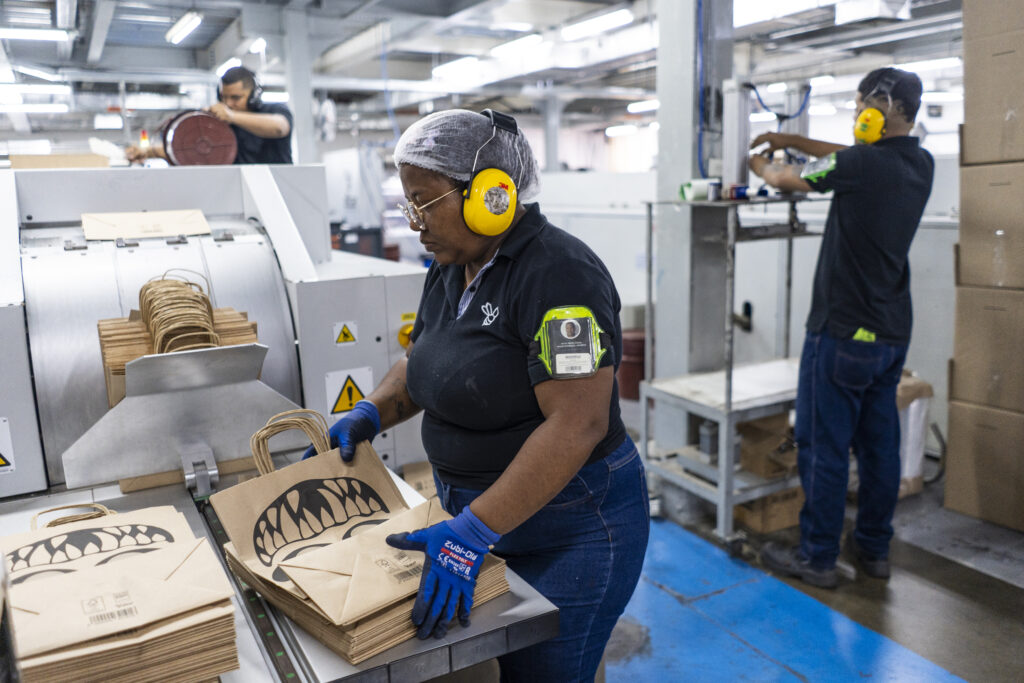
(309, 508)
(106, 543)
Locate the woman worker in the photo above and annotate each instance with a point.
(521, 418)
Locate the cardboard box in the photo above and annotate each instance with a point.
(766, 447)
(987, 19)
(985, 464)
(20, 161)
(991, 252)
(993, 130)
(420, 475)
(778, 511)
(988, 366)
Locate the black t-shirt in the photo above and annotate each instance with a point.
(474, 377)
(863, 276)
(252, 149)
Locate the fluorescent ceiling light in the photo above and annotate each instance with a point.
(821, 110)
(183, 27)
(850, 104)
(273, 96)
(457, 69)
(598, 24)
(107, 122)
(619, 131)
(819, 81)
(516, 26)
(931, 64)
(35, 89)
(34, 109)
(642, 106)
(775, 87)
(762, 117)
(52, 35)
(512, 48)
(258, 45)
(39, 73)
(230, 63)
(932, 97)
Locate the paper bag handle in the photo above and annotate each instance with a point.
(98, 511)
(309, 421)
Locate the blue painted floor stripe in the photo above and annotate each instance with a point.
(710, 617)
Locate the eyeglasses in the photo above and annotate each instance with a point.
(414, 214)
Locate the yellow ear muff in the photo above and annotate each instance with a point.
(489, 205)
(870, 126)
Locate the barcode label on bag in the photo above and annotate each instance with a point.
(106, 617)
(400, 567)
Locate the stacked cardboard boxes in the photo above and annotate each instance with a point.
(985, 468)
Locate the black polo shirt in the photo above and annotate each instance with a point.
(252, 149)
(473, 376)
(863, 274)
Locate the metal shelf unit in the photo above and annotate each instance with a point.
(729, 396)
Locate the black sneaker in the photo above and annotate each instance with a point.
(875, 568)
(788, 561)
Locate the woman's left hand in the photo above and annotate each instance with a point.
(455, 551)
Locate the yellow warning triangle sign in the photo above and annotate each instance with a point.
(345, 336)
(347, 397)
(4, 462)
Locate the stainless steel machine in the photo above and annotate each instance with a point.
(330, 325)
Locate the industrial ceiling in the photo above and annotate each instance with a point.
(378, 57)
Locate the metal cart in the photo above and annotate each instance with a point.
(729, 396)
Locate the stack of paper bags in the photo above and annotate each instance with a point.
(129, 597)
(359, 592)
(124, 339)
(301, 528)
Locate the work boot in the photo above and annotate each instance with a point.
(875, 568)
(788, 561)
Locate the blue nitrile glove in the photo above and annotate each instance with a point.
(454, 551)
(362, 423)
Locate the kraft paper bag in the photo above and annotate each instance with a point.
(356, 577)
(281, 514)
(67, 548)
(99, 603)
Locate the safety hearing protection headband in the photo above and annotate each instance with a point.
(871, 122)
(489, 202)
(255, 97)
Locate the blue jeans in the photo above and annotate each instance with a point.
(583, 551)
(847, 397)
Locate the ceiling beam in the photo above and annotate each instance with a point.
(67, 18)
(67, 13)
(102, 15)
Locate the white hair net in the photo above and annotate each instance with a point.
(447, 142)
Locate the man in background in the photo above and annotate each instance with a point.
(263, 130)
(859, 326)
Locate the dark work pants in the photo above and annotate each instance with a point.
(847, 397)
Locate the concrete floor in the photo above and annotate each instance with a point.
(953, 609)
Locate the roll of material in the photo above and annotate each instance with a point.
(697, 189)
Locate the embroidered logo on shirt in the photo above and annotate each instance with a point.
(490, 313)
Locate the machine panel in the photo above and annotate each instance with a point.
(21, 455)
(327, 364)
(66, 292)
(216, 190)
(245, 276)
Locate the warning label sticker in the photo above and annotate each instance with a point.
(345, 333)
(347, 387)
(6, 447)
